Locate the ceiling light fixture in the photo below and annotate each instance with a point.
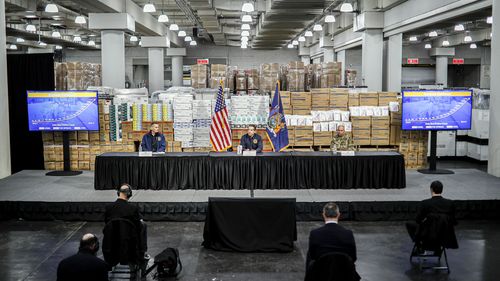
(473, 46)
(489, 20)
(245, 26)
(80, 20)
(247, 7)
(246, 18)
(295, 42)
(43, 44)
(13, 47)
(459, 27)
(56, 34)
(30, 28)
(193, 43)
(19, 40)
(149, 8)
(290, 46)
(244, 39)
(91, 43)
(77, 39)
(308, 34)
(428, 46)
(346, 8)
(181, 33)
(188, 39)
(173, 27)
(329, 18)
(51, 8)
(58, 47)
(302, 39)
(446, 43)
(140, 43)
(244, 46)
(433, 33)
(467, 38)
(317, 27)
(413, 38)
(163, 18)
(134, 38)
(245, 33)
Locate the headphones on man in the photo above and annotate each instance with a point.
(92, 241)
(126, 189)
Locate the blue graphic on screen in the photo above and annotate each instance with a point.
(437, 110)
(63, 111)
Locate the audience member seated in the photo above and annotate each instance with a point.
(330, 238)
(437, 214)
(84, 265)
(121, 208)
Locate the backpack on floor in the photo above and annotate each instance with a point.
(168, 263)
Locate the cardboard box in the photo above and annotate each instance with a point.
(368, 99)
(384, 98)
(353, 99)
(395, 135)
(359, 122)
(301, 110)
(84, 165)
(301, 99)
(339, 100)
(322, 138)
(381, 122)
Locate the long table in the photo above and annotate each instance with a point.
(270, 170)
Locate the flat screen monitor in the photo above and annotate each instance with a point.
(437, 110)
(63, 111)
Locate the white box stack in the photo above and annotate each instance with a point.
(247, 110)
(201, 133)
(183, 119)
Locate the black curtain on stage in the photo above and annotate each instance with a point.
(26, 72)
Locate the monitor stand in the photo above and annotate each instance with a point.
(432, 160)
(67, 167)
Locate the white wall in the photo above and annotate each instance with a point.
(4, 101)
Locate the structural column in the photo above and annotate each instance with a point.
(5, 169)
(341, 59)
(394, 60)
(177, 55)
(328, 54)
(113, 27)
(156, 67)
(494, 141)
(442, 70)
(113, 58)
(372, 59)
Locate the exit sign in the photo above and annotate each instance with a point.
(412, 60)
(458, 61)
(202, 61)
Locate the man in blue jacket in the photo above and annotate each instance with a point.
(251, 141)
(153, 141)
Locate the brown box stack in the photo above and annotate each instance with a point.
(395, 121)
(301, 103)
(368, 99)
(361, 130)
(330, 76)
(252, 79)
(269, 75)
(380, 130)
(353, 99)
(320, 98)
(339, 99)
(218, 72)
(384, 98)
(241, 80)
(314, 72)
(413, 146)
(291, 135)
(322, 138)
(286, 100)
(296, 76)
(199, 76)
(303, 136)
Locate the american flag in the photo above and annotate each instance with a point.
(220, 132)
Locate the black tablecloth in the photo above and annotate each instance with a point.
(250, 225)
(289, 170)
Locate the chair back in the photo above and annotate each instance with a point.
(120, 243)
(436, 231)
(332, 267)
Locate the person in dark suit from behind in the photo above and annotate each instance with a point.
(434, 205)
(122, 209)
(84, 265)
(330, 238)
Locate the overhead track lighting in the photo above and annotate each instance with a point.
(459, 27)
(245, 26)
(30, 28)
(193, 43)
(473, 46)
(181, 33)
(187, 39)
(428, 46)
(467, 38)
(302, 39)
(290, 46)
(56, 34)
(244, 39)
(246, 18)
(51, 8)
(346, 8)
(244, 46)
(295, 42)
(77, 39)
(19, 40)
(247, 7)
(413, 38)
(149, 8)
(446, 43)
(134, 38)
(91, 43)
(317, 27)
(433, 33)
(80, 20)
(245, 33)
(13, 47)
(173, 27)
(308, 34)
(163, 18)
(329, 18)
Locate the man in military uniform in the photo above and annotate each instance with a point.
(251, 141)
(341, 141)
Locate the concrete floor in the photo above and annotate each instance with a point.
(32, 251)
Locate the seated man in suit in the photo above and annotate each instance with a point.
(251, 140)
(434, 205)
(154, 140)
(121, 208)
(330, 238)
(84, 265)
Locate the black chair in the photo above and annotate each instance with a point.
(120, 246)
(332, 267)
(434, 235)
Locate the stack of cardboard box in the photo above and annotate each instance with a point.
(413, 146)
(368, 99)
(295, 76)
(77, 75)
(199, 76)
(353, 99)
(384, 98)
(330, 76)
(252, 79)
(380, 130)
(269, 75)
(286, 101)
(361, 130)
(395, 123)
(301, 103)
(303, 136)
(218, 72)
(320, 99)
(339, 98)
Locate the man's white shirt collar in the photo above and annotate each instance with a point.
(330, 222)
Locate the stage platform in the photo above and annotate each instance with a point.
(31, 195)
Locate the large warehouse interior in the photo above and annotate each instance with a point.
(249, 140)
